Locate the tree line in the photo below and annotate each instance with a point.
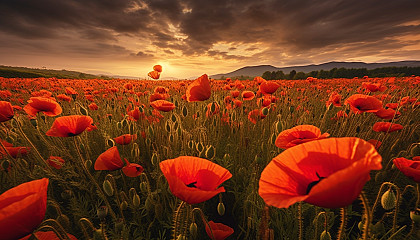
(344, 73)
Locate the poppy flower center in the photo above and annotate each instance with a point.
(415, 165)
(192, 185)
(312, 184)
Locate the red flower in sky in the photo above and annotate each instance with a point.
(43, 104)
(69, 126)
(6, 111)
(125, 139)
(298, 135)
(157, 68)
(199, 90)
(360, 103)
(410, 168)
(327, 173)
(22, 209)
(154, 74)
(193, 179)
(386, 127)
(218, 231)
(162, 105)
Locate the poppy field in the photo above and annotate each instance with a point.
(210, 159)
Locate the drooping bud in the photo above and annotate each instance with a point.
(108, 189)
(136, 200)
(221, 209)
(388, 200)
(193, 230)
(325, 235)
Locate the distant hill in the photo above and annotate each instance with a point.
(24, 72)
(253, 71)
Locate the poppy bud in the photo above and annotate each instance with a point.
(5, 165)
(154, 159)
(325, 235)
(83, 111)
(151, 131)
(176, 103)
(167, 126)
(179, 131)
(34, 123)
(124, 205)
(88, 164)
(210, 152)
(132, 192)
(136, 200)
(184, 111)
(273, 139)
(379, 176)
(265, 111)
(193, 230)
(82, 147)
(388, 200)
(173, 118)
(119, 225)
(176, 125)
(360, 225)
(279, 126)
(124, 123)
(199, 146)
(221, 209)
(148, 141)
(148, 204)
(415, 216)
(197, 114)
(108, 188)
(190, 144)
(291, 109)
(135, 151)
(102, 212)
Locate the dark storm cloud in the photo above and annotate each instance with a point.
(295, 26)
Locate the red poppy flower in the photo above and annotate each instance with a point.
(93, 106)
(49, 235)
(154, 74)
(69, 126)
(218, 231)
(234, 93)
(13, 151)
(71, 91)
(157, 68)
(125, 139)
(386, 127)
(22, 209)
(162, 105)
(199, 90)
(334, 99)
(327, 173)
(63, 97)
(268, 87)
(387, 113)
(55, 162)
(212, 109)
(193, 179)
(42, 104)
(158, 96)
(374, 87)
(132, 169)
(255, 115)
(360, 103)
(410, 168)
(248, 95)
(6, 111)
(298, 135)
(109, 160)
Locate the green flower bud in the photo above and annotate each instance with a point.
(210, 152)
(221, 209)
(88, 164)
(108, 189)
(388, 200)
(124, 205)
(136, 200)
(184, 111)
(193, 230)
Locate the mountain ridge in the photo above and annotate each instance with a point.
(258, 70)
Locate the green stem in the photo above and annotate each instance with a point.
(367, 215)
(343, 212)
(93, 180)
(300, 221)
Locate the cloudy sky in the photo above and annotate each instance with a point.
(193, 37)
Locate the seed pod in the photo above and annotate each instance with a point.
(210, 152)
(154, 159)
(173, 118)
(110, 142)
(124, 205)
(184, 111)
(273, 139)
(199, 146)
(143, 187)
(221, 209)
(279, 126)
(88, 164)
(193, 230)
(167, 126)
(136, 200)
(83, 110)
(388, 200)
(325, 235)
(108, 189)
(265, 111)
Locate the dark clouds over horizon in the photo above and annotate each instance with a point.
(239, 32)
